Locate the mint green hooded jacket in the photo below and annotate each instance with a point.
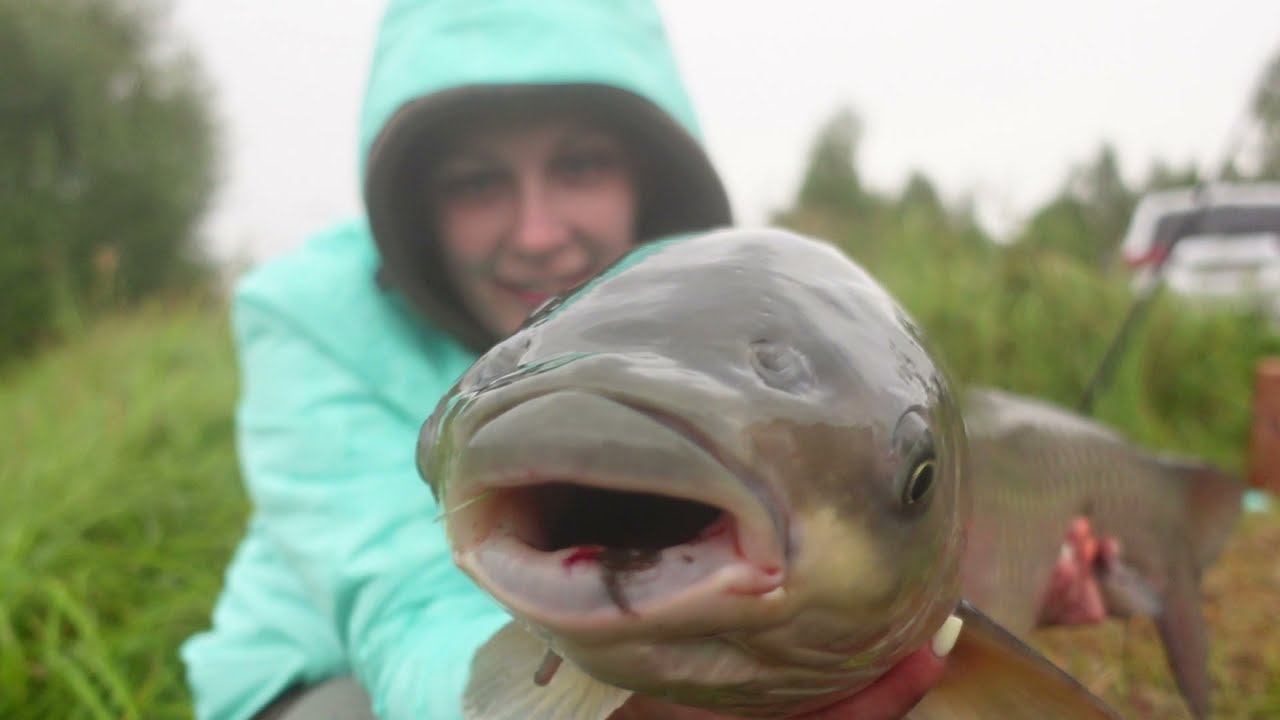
(347, 343)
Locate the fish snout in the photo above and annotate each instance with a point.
(578, 510)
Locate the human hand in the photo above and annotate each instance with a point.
(890, 697)
(1074, 596)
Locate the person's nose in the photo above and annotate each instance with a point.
(541, 227)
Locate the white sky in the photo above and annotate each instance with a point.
(994, 98)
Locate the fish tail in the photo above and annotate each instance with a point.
(1213, 505)
(1182, 630)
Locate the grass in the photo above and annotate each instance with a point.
(122, 505)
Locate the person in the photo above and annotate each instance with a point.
(508, 150)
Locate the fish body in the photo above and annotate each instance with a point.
(1036, 466)
(726, 473)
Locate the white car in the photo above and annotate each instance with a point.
(1226, 243)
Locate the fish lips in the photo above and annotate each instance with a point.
(583, 512)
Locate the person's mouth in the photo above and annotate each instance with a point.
(535, 294)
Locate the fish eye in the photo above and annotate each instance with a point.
(780, 366)
(918, 461)
(919, 481)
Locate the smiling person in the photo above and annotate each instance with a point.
(509, 150)
(527, 207)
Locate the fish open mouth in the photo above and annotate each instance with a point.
(560, 515)
(575, 508)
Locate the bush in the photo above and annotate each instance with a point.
(106, 163)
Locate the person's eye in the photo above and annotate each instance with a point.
(471, 185)
(587, 164)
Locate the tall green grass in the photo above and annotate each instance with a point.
(121, 503)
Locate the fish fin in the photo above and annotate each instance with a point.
(1214, 503)
(1126, 592)
(992, 674)
(502, 685)
(1186, 644)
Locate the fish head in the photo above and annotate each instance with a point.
(726, 472)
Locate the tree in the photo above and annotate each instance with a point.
(920, 195)
(831, 202)
(107, 160)
(1266, 113)
(831, 180)
(1107, 199)
(876, 229)
(1088, 218)
(1163, 176)
(1062, 226)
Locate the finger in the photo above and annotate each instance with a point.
(1083, 542)
(893, 694)
(1108, 550)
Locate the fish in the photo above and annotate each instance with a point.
(728, 473)
(1037, 465)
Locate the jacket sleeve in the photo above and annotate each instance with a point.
(329, 466)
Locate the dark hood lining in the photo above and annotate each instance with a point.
(679, 188)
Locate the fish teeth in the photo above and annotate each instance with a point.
(945, 639)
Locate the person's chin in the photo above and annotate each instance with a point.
(510, 315)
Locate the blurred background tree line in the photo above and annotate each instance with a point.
(1035, 312)
(107, 163)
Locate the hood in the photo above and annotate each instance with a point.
(439, 61)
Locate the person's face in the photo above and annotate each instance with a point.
(526, 211)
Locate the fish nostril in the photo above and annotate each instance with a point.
(779, 366)
(502, 360)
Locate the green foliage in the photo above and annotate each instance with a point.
(1088, 219)
(1163, 176)
(1037, 315)
(107, 155)
(831, 183)
(1266, 112)
(121, 507)
(833, 204)
(1062, 227)
(26, 301)
(1039, 323)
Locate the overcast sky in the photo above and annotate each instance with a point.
(995, 98)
